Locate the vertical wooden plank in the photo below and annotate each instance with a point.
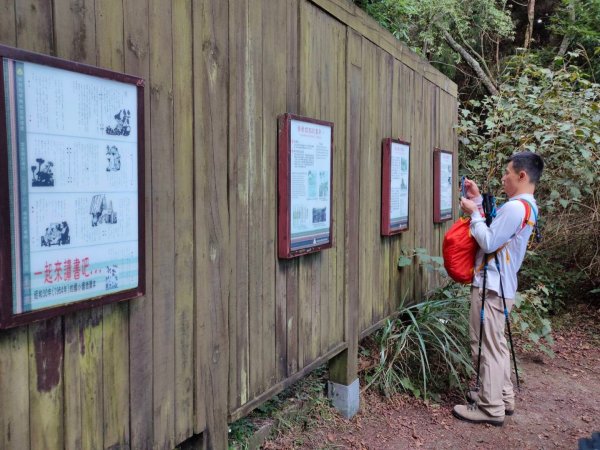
(14, 357)
(75, 35)
(343, 369)
(212, 235)
(75, 30)
(34, 21)
(273, 104)
(386, 73)
(115, 324)
(46, 349)
(8, 34)
(163, 232)
(292, 267)
(310, 266)
(184, 219)
(137, 62)
(336, 336)
(238, 202)
(420, 197)
(255, 242)
(14, 388)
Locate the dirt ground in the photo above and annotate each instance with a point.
(559, 403)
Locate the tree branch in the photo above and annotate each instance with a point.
(472, 62)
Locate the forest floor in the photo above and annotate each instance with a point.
(559, 403)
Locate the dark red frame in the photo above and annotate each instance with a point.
(437, 213)
(7, 318)
(284, 189)
(386, 175)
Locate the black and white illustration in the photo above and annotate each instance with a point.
(43, 173)
(56, 234)
(112, 277)
(102, 211)
(122, 126)
(114, 158)
(319, 215)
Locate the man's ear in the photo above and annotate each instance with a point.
(523, 176)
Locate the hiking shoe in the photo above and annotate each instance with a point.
(472, 413)
(473, 397)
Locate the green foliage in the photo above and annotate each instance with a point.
(555, 112)
(426, 350)
(424, 259)
(579, 22)
(421, 23)
(529, 320)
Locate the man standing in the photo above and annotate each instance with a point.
(507, 236)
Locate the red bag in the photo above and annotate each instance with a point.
(459, 250)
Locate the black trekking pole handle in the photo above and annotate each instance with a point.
(512, 347)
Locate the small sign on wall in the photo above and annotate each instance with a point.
(305, 176)
(395, 188)
(443, 169)
(71, 202)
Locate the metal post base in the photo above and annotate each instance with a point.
(345, 399)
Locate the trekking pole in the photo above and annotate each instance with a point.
(512, 347)
(488, 211)
(481, 321)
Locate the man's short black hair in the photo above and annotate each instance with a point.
(530, 162)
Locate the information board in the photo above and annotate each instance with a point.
(304, 185)
(72, 203)
(395, 179)
(443, 169)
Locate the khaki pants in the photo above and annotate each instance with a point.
(496, 388)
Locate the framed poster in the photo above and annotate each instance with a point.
(395, 182)
(305, 175)
(71, 202)
(443, 168)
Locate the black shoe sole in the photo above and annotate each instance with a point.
(491, 422)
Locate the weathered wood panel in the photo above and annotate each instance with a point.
(183, 124)
(137, 62)
(212, 219)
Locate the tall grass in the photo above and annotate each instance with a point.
(426, 349)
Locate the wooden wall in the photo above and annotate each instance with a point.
(225, 324)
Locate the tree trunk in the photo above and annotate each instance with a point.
(472, 62)
(564, 45)
(530, 17)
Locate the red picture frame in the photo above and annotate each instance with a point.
(291, 244)
(400, 224)
(8, 318)
(443, 186)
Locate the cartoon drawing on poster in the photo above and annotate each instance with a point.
(56, 234)
(102, 211)
(43, 174)
(114, 158)
(112, 277)
(121, 127)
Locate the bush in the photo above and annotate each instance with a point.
(426, 349)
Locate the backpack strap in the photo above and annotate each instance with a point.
(526, 221)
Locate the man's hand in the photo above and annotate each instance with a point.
(468, 206)
(472, 189)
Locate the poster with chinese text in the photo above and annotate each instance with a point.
(72, 142)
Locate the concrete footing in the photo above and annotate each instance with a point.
(345, 399)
